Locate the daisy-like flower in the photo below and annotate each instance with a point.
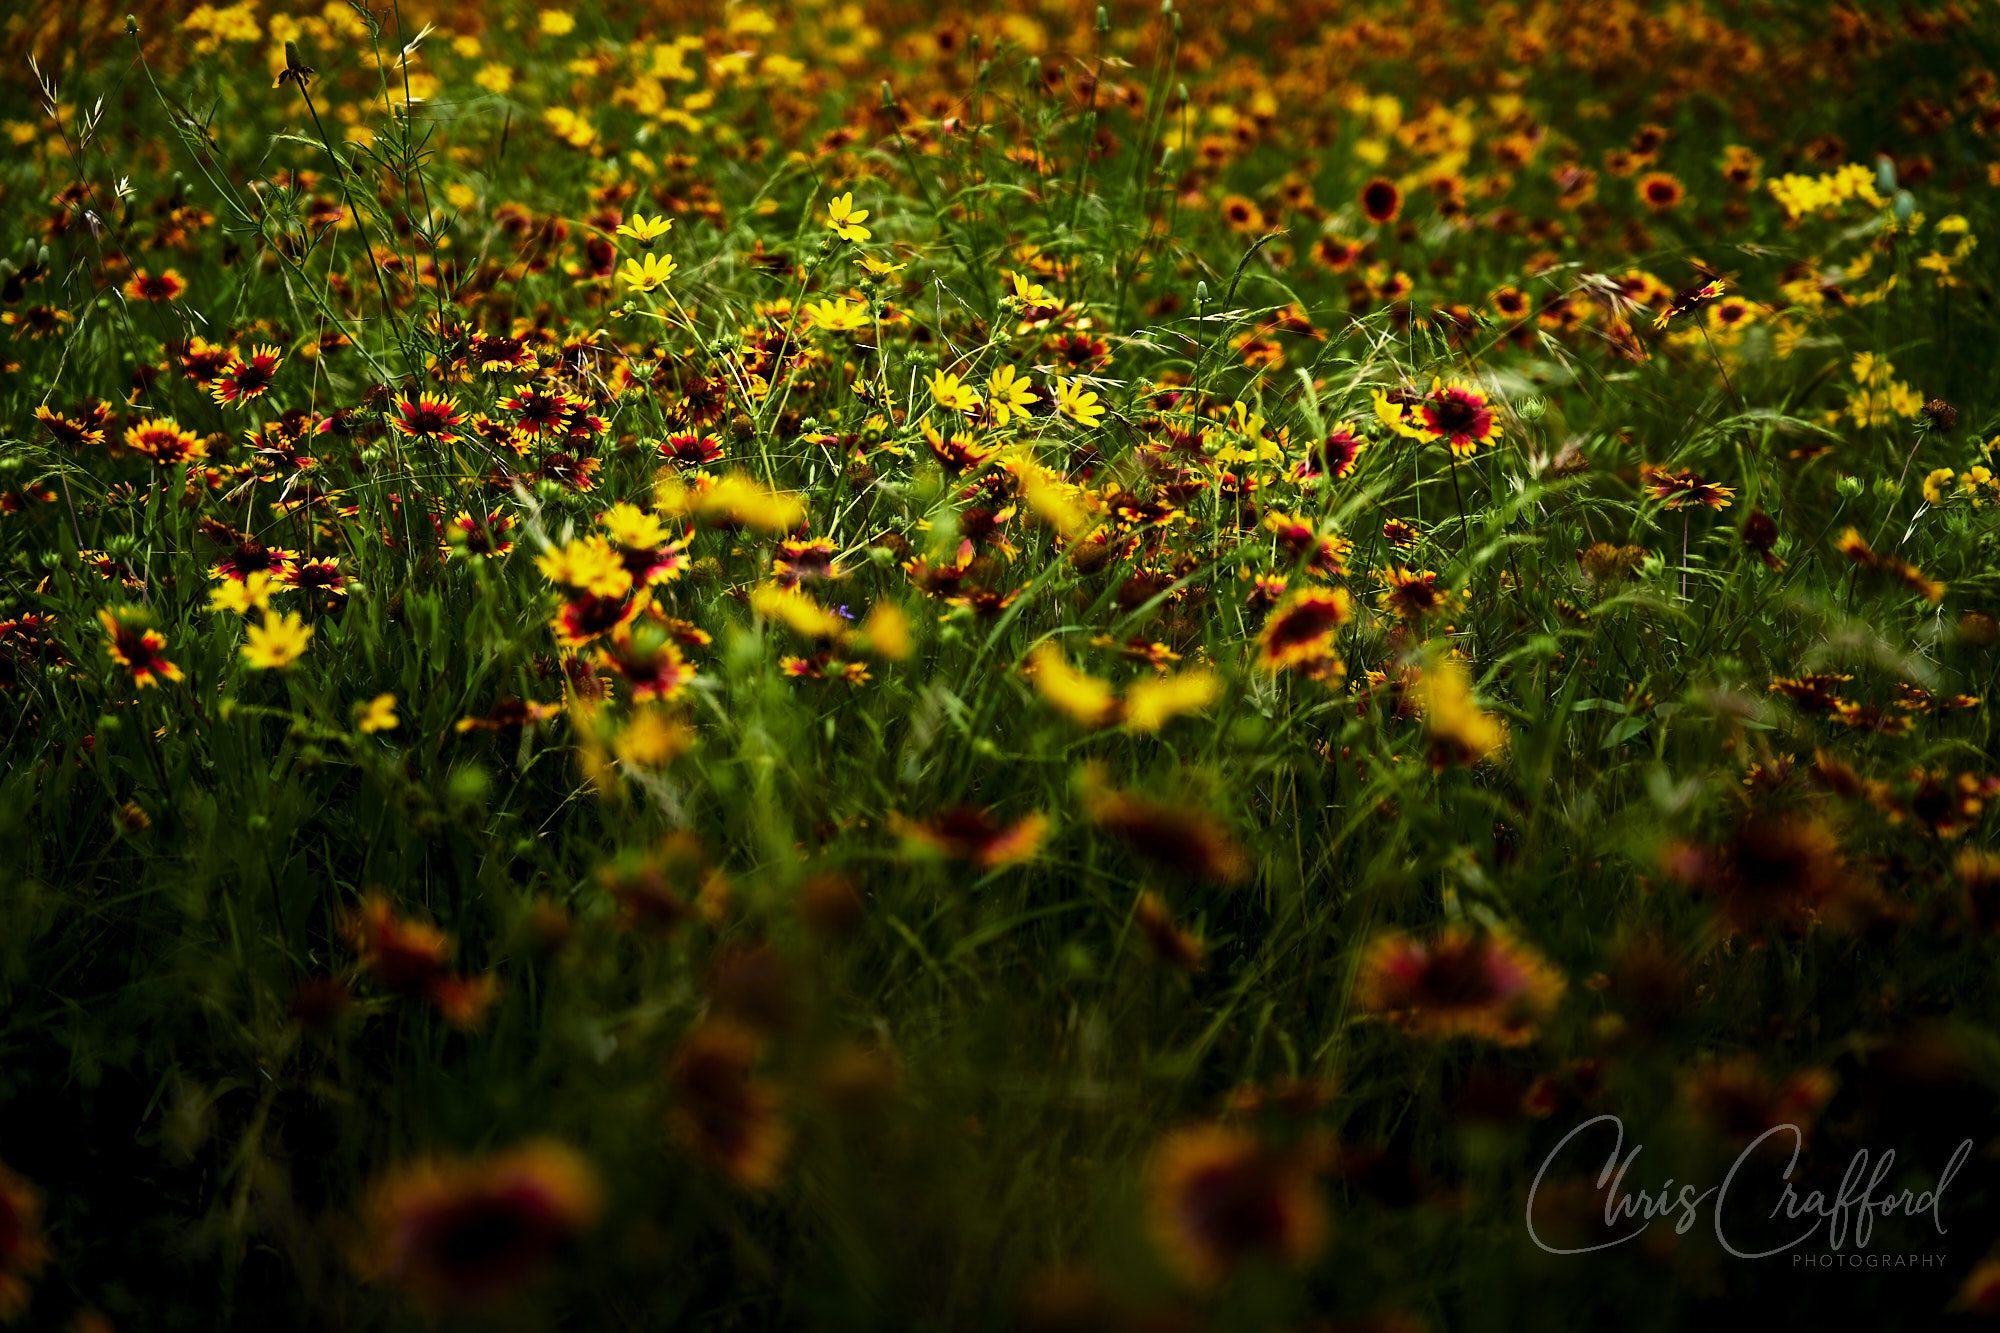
(645, 230)
(1333, 458)
(243, 379)
(966, 833)
(1414, 594)
(458, 1234)
(428, 417)
(1008, 395)
(1218, 1197)
(1458, 415)
(538, 412)
(879, 268)
(135, 645)
(377, 714)
(586, 565)
(950, 394)
(647, 654)
(1459, 985)
(838, 315)
(648, 272)
(844, 220)
(145, 286)
(1381, 201)
(241, 596)
(277, 643)
(725, 1114)
(1681, 488)
(1301, 629)
(165, 442)
(689, 449)
(1078, 403)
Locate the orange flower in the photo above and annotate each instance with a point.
(1218, 1196)
(465, 1233)
(1459, 985)
(724, 1114)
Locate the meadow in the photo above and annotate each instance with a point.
(1300, 664)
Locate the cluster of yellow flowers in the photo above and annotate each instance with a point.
(1799, 195)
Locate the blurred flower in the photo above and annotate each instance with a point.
(1218, 1197)
(458, 1233)
(1459, 984)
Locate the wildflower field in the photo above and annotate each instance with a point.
(861, 665)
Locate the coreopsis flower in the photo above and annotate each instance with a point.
(538, 412)
(838, 315)
(1182, 838)
(1077, 402)
(1457, 415)
(1300, 631)
(586, 565)
(464, 1233)
(135, 645)
(377, 714)
(645, 230)
(1381, 201)
(1691, 299)
(241, 596)
(647, 655)
(1660, 191)
(1681, 488)
(158, 287)
(1737, 1099)
(1008, 395)
(878, 268)
(689, 449)
(648, 272)
(1460, 731)
(1085, 699)
(1156, 700)
(277, 643)
(949, 393)
(244, 379)
(23, 1250)
(725, 1114)
(165, 442)
(965, 833)
(844, 220)
(1333, 458)
(428, 417)
(652, 553)
(1459, 984)
(1413, 595)
(1218, 1197)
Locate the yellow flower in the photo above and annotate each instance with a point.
(800, 612)
(1008, 394)
(252, 594)
(951, 395)
(645, 230)
(879, 268)
(1087, 700)
(278, 642)
(588, 564)
(557, 22)
(1077, 403)
(648, 271)
(838, 315)
(1151, 704)
(1935, 484)
(378, 714)
(1030, 293)
(844, 220)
